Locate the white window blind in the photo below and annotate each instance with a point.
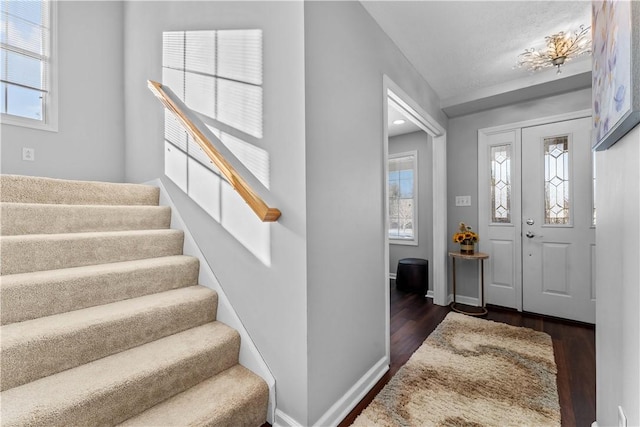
(25, 41)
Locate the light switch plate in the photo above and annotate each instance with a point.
(463, 200)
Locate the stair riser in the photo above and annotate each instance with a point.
(91, 337)
(124, 399)
(29, 296)
(23, 254)
(23, 218)
(27, 189)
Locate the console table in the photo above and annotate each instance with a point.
(479, 256)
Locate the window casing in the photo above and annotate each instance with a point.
(403, 198)
(27, 67)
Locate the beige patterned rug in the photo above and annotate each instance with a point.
(472, 372)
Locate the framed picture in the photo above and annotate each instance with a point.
(616, 70)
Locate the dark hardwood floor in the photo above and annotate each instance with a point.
(413, 318)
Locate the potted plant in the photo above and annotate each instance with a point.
(466, 238)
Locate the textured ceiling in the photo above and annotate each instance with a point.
(464, 47)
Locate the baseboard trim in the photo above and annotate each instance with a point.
(429, 292)
(284, 420)
(354, 395)
(465, 300)
(392, 276)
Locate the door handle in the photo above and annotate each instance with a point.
(529, 234)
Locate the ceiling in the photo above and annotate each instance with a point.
(394, 113)
(467, 50)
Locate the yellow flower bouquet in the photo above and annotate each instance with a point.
(466, 238)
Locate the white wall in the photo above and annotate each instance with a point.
(618, 281)
(421, 142)
(462, 148)
(270, 300)
(89, 143)
(347, 55)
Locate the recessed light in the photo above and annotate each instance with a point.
(398, 122)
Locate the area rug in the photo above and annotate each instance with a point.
(472, 372)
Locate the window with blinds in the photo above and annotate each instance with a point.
(25, 54)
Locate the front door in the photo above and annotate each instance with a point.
(558, 234)
(536, 218)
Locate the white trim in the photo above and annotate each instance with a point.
(385, 215)
(50, 108)
(392, 276)
(439, 233)
(474, 302)
(354, 395)
(284, 420)
(250, 357)
(536, 122)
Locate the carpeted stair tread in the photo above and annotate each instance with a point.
(115, 388)
(234, 398)
(44, 293)
(40, 347)
(37, 252)
(102, 320)
(31, 189)
(37, 218)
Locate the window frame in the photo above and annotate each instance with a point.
(414, 240)
(50, 104)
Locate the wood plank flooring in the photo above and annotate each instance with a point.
(413, 318)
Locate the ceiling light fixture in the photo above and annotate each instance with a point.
(398, 122)
(560, 48)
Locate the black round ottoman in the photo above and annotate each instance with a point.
(413, 275)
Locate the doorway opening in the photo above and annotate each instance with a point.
(430, 241)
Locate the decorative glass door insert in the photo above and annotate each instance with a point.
(556, 180)
(501, 183)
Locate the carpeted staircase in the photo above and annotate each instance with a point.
(103, 320)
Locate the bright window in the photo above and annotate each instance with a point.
(26, 63)
(403, 198)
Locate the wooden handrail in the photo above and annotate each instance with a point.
(264, 212)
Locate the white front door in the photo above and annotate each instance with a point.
(536, 218)
(558, 235)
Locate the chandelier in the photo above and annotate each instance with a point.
(560, 48)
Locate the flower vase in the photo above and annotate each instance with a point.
(466, 247)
